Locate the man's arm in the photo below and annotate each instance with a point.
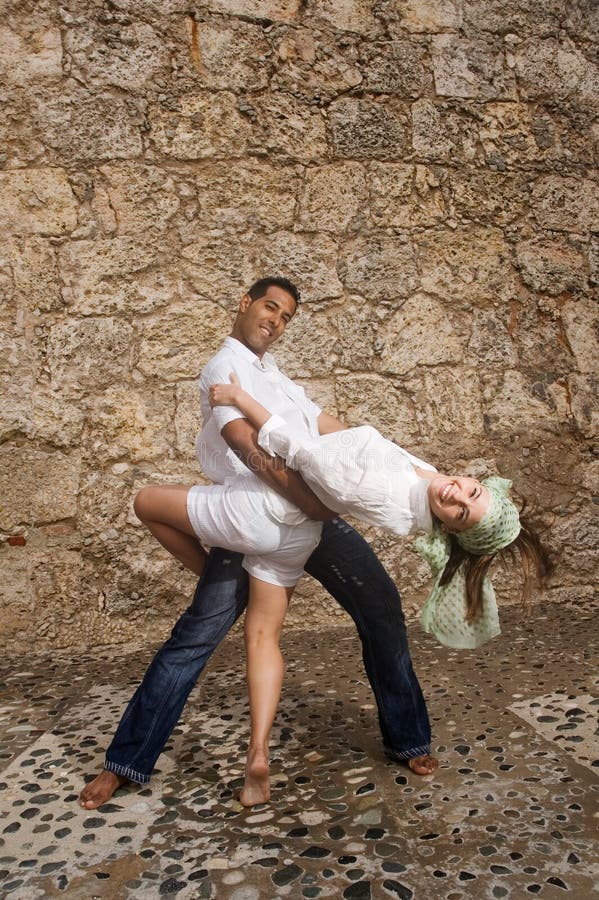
(242, 438)
(328, 424)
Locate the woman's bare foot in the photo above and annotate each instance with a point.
(423, 765)
(101, 789)
(256, 788)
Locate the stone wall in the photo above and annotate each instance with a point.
(423, 169)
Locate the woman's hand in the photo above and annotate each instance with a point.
(225, 394)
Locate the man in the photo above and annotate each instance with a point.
(343, 563)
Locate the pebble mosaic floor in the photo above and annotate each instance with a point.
(511, 812)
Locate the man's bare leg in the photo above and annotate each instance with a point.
(265, 670)
(101, 789)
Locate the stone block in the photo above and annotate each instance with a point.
(16, 598)
(132, 425)
(512, 406)
(581, 321)
(37, 487)
(420, 333)
(278, 10)
(404, 196)
(30, 54)
(34, 273)
(103, 502)
(246, 194)
(221, 267)
(584, 391)
(430, 16)
(566, 204)
(81, 127)
(37, 201)
(349, 15)
(88, 354)
(368, 399)
(286, 128)
(490, 343)
(310, 261)
(553, 72)
(122, 276)
(229, 55)
(506, 135)
(380, 268)
(333, 198)
(365, 129)
(553, 267)
(202, 125)
(129, 57)
(393, 67)
(315, 68)
(360, 327)
(520, 17)
(143, 198)
(309, 345)
(56, 583)
(449, 413)
(466, 265)
(438, 135)
(54, 419)
(188, 418)
(489, 197)
(470, 69)
(178, 342)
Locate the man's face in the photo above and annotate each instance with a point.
(260, 322)
(458, 501)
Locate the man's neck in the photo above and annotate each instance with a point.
(245, 344)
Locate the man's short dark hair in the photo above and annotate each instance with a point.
(260, 287)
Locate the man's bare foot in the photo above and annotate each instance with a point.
(423, 765)
(101, 789)
(256, 788)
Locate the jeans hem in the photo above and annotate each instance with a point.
(126, 772)
(405, 755)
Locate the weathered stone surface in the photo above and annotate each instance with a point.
(286, 128)
(308, 260)
(405, 196)
(314, 67)
(246, 194)
(56, 579)
(506, 135)
(351, 15)
(333, 198)
(365, 129)
(395, 67)
(82, 127)
(424, 16)
(490, 343)
(511, 406)
(566, 204)
(37, 201)
(438, 135)
(37, 487)
(489, 196)
(118, 276)
(370, 400)
(360, 327)
(201, 126)
(127, 57)
(522, 17)
(584, 391)
(581, 321)
(187, 419)
(448, 410)
(127, 424)
(594, 263)
(30, 54)
(551, 71)
(142, 198)
(229, 58)
(420, 333)
(470, 69)
(179, 342)
(309, 346)
(551, 266)
(473, 264)
(379, 268)
(88, 354)
(34, 273)
(278, 10)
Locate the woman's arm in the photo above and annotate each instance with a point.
(234, 395)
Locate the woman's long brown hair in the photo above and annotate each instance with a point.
(526, 549)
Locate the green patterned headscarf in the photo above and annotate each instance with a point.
(444, 613)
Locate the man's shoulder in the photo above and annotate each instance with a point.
(222, 357)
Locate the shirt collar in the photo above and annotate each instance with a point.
(267, 361)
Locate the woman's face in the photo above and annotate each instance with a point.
(458, 501)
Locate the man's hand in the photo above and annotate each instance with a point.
(225, 394)
(242, 438)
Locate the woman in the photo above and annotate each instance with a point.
(357, 472)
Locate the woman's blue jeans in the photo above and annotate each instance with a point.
(345, 564)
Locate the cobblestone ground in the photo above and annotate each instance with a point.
(508, 814)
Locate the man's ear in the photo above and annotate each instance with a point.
(246, 301)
